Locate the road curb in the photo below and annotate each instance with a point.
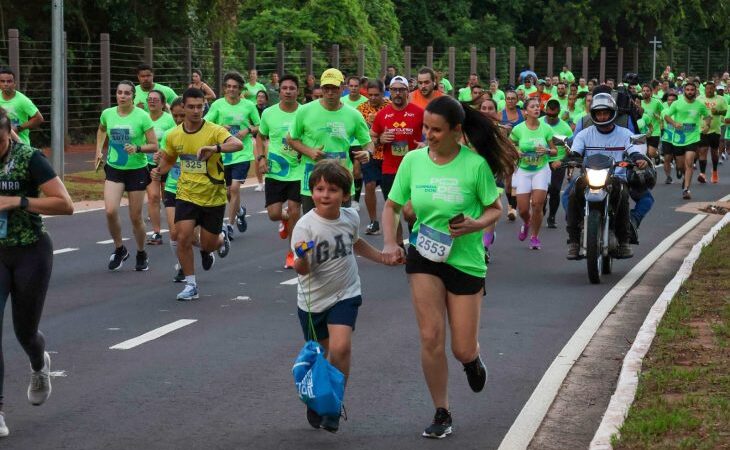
(628, 380)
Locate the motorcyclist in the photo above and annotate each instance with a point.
(604, 137)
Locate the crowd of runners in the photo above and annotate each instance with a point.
(314, 145)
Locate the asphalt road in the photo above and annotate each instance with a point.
(225, 381)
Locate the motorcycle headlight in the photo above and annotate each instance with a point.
(596, 178)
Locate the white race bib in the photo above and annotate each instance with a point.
(433, 244)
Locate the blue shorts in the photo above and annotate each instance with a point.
(372, 171)
(343, 312)
(238, 172)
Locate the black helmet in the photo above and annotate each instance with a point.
(642, 179)
(631, 79)
(603, 101)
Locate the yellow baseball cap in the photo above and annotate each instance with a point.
(332, 77)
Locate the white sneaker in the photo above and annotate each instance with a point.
(3, 428)
(190, 292)
(259, 188)
(39, 388)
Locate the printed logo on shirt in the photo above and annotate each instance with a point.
(446, 189)
(337, 129)
(342, 249)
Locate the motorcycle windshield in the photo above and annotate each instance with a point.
(598, 161)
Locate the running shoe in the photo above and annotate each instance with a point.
(511, 214)
(143, 262)
(314, 419)
(535, 243)
(573, 251)
(154, 239)
(179, 276)
(226, 247)
(330, 423)
(228, 229)
(701, 178)
(259, 188)
(441, 425)
(686, 194)
(355, 205)
(4, 431)
(524, 229)
(668, 180)
(118, 257)
(623, 251)
(551, 222)
(190, 292)
(289, 263)
(715, 177)
(476, 374)
(724, 154)
(208, 260)
(283, 233)
(241, 220)
(373, 228)
(39, 388)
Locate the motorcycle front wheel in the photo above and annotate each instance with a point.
(594, 258)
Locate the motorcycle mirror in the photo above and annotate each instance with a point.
(638, 139)
(559, 139)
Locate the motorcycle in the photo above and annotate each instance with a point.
(598, 241)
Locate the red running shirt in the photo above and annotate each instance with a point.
(408, 126)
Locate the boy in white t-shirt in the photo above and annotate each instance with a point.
(329, 284)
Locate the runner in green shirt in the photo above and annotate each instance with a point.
(325, 129)
(667, 149)
(465, 92)
(686, 115)
(527, 87)
(653, 118)
(353, 99)
(567, 76)
(241, 118)
(23, 114)
(252, 87)
(446, 86)
(131, 134)
(161, 122)
(454, 197)
(557, 173)
(280, 162)
(497, 94)
(710, 141)
(146, 78)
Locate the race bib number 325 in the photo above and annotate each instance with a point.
(433, 244)
(193, 166)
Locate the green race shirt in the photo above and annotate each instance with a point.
(653, 115)
(447, 85)
(465, 94)
(283, 160)
(439, 192)
(250, 91)
(690, 115)
(19, 108)
(354, 104)
(161, 125)
(562, 101)
(140, 96)
(717, 103)
(239, 116)
(174, 173)
(567, 77)
(498, 95)
(333, 131)
(527, 91)
(129, 129)
(727, 130)
(667, 129)
(528, 140)
(559, 129)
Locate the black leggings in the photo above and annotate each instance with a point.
(556, 183)
(24, 274)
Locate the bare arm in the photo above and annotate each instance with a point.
(100, 140)
(55, 200)
(489, 216)
(392, 252)
(314, 153)
(364, 249)
(33, 122)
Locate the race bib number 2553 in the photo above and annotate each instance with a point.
(433, 244)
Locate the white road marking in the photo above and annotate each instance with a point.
(152, 335)
(57, 373)
(527, 422)
(111, 241)
(291, 282)
(64, 250)
(242, 298)
(262, 212)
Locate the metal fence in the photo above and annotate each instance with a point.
(94, 68)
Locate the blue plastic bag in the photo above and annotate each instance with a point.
(320, 385)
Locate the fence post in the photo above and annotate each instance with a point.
(636, 59)
(14, 53)
(383, 60)
(550, 61)
(308, 60)
(407, 61)
(65, 88)
(531, 57)
(280, 58)
(361, 60)
(148, 58)
(218, 65)
(452, 69)
(106, 78)
(602, 66)
(620, 64)
(707, 65)
(473, 60)
(188, 58)
(251, 56)
(569, 58)
(585, 63)
(429, 56)
(335, 56)
(492, 63)
(512, 61)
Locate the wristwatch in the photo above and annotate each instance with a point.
(260, 157)
(217, 148)
(24, 203)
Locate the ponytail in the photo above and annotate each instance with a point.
(481, 132)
